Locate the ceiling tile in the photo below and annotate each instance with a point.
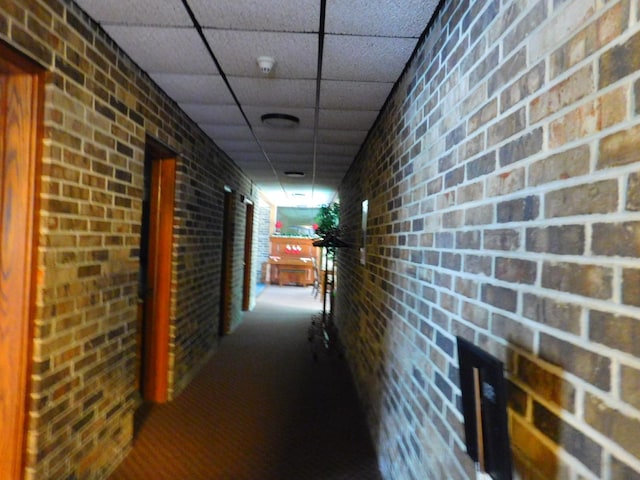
(141, 12)
(233, 147)
(365, 50)
(371, 59)
(252, 158)
(349, 119)
(353, 95)
(275, 148)
(295, 54)
(330, 178)
(284, 134)
(391, 18)
(213, 114)
(350, 137)
(283, 166)
(194, 88)
(296, 181)
(164, 50)
(306, 115)
(332, 161)
(300, 158)
(295, 184)
(268, 183)
(338, 149)
(274, 93)
(280, 16)
(228, 132)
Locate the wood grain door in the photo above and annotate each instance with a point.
(20, 94)
(156, 267)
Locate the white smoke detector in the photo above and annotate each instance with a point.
(266, 64)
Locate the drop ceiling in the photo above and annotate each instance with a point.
(365, 46)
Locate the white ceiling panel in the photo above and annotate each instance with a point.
(353, 95)
(236, 147)
(267, 178)
(349, 119)
(282, 167)
(330, 178)
(294, 166)
(302, 161)
(366, 46)
(280, 16)
(259, 169)
(213, 114)
(369, 59)
(301, 158)
(255, 159)
(205, 89)
(284, 134)
(164, 50)
(341, 150)
(168, 13)
(295, 54)
(350, 137)
(228, 132)
(333, 161)
(274, 93)
(389, 18)
(306, 115)
(276, 148)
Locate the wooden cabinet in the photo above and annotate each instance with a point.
(293, 260)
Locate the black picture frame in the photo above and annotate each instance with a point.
(484, 407)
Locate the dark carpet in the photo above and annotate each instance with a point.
(261, 409)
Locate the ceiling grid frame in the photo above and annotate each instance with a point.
(337, 98)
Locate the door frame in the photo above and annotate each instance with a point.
(156, 321)
(248, 255)
(226, 262)
(25, 234)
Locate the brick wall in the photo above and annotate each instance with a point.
(503, 183)
(263, 232)
(98, 110)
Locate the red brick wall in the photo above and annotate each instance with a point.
(99, 109)
(502, 180)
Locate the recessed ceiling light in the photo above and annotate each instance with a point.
(280, 120)
(298, 195)
(294, 173)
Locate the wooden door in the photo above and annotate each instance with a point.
(156, 260)
(224, 325)
(248, 257)
(20, 100)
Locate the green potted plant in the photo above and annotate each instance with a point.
(328, 219)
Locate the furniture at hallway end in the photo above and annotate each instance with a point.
(292, 260)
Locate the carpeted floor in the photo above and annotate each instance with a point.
(261, 409)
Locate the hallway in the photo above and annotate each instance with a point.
(261, 409)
